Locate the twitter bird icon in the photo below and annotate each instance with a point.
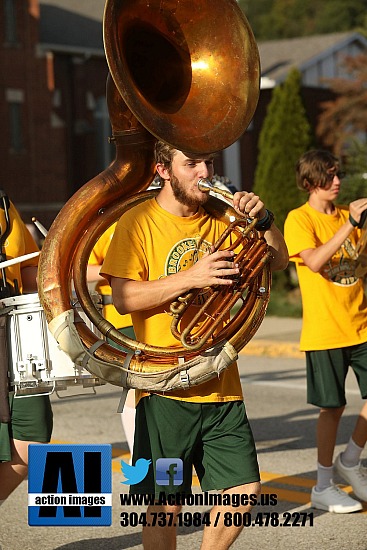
(135, 474)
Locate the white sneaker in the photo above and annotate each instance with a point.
(355, 476)
(334, 500)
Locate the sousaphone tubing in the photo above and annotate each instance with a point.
(187, 73)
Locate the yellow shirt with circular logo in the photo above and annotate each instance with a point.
(150, 243)
(97, 256)
(333, 300)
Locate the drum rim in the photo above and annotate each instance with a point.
(21, 299)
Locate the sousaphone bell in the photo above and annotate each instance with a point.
(189, 75)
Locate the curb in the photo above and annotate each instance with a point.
(271, 348)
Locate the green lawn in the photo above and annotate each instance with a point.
(285, 304)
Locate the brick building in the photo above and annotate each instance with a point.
(52, 104)
(55, 122)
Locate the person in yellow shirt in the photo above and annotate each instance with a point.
(160, 249)
(97, 256)
(322, 239)
(121, 322)
(29, 419)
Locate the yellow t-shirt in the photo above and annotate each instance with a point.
(97, 256)
(333, 300)
(19, 243)
(150, 243)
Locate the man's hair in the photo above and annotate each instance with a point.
(312, 169)
(164, 153)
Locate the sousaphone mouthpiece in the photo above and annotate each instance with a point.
(205, 185)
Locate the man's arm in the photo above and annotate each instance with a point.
(93, 275)
(129, 295)
(277, 247)
(316, 258)
(212, 269)
(252, 205)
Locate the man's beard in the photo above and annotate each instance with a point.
(182, 196)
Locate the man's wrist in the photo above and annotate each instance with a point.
(265, 222)
(352, 221)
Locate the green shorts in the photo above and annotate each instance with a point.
(31, 420)
(215, 438)
(127, 331)
(327, 371)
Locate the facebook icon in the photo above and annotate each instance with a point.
(169, 471)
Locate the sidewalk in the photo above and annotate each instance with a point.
(276, 337)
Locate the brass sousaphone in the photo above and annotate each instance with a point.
(188, 73)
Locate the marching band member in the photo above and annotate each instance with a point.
(29, 419)
(322, 239)
(206, 425)
(121, 322)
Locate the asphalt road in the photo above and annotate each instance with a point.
(283, 425)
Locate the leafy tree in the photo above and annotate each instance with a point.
(276, 19)
(346, 116)
(334, 16)
(285, 136)
(355, 184)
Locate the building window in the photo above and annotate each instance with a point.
(105, 151)
(15, 100)
(16, 137)
(10, 22)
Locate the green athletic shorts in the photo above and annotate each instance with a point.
(215, 438)
(327, 371)
(31, 420)
(127, 331)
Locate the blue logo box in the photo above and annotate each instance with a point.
(70, 485)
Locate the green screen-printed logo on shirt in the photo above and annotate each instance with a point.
(184, 255)
(341, 274)
(340, 270)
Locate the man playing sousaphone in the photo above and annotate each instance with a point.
(206, 425)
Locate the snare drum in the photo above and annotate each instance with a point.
(37, 364)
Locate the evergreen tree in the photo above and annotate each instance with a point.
(285, 136)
